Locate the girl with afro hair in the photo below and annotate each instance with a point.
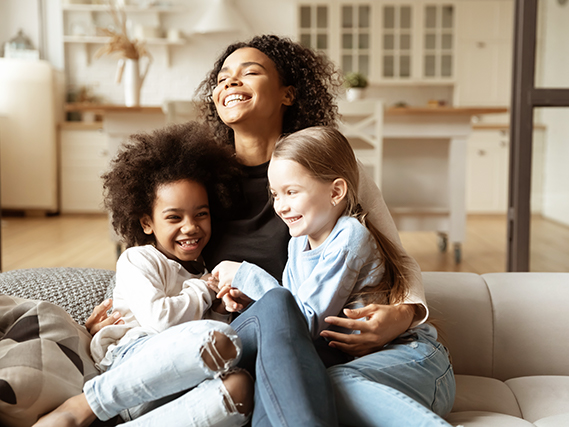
(170, 359)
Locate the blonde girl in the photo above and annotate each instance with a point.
(336, 255)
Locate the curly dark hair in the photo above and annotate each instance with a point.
(315, 78)
(148, 160)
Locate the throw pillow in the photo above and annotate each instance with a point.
(44, 359)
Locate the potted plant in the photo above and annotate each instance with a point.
(355, 84)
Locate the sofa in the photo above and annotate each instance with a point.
(507, 334)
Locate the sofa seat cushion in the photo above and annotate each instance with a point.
(542, 397)
(537, 400)
(485, 419)
(485, 394)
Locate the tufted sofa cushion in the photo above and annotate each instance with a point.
(507, 336)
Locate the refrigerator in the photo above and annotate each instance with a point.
(28, 136)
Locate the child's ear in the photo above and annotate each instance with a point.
(146, 223)
(339, 190)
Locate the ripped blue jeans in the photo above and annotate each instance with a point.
(163, 380)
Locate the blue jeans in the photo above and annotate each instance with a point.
(405, 384)
(291, 387)
(164, 366)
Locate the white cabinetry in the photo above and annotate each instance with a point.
(84, 157)
(484, 57)
(487, 172)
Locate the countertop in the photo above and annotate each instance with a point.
(471, 111)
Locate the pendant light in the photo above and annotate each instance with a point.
(221, 16)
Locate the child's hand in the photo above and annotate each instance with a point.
(224, 273)
(234, 299)
(213, 283)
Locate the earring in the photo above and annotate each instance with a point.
(334, 203)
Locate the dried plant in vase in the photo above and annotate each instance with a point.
(129, 51)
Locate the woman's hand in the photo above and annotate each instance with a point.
(383, 324)
(99, 318)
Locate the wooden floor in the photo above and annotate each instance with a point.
(83, 241)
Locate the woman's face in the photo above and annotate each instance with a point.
(249, 90)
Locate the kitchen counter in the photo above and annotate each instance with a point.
(110, 108)
(431, 111)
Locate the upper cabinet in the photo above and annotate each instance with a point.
(466, 44)
(387, 41)
(485, 34)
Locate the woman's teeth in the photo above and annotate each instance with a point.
(232, 99)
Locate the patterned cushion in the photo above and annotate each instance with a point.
(44, 359)
(76, 290)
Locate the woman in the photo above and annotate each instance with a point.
(257, 91)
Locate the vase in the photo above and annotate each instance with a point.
(354, 93)
(132, 83)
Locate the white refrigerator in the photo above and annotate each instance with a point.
(28, 137)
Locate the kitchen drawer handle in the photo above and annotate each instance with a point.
(481, 152)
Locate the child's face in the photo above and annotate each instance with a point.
(250, 90)
(180, 220)
(303, 202)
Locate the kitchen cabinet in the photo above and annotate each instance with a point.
(484, 59)
(487, 172)
(84, 156)
(387, 41)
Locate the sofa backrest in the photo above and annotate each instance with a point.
(502, 325)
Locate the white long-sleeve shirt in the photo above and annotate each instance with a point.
(152, 293)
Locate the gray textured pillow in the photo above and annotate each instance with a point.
(76, 290)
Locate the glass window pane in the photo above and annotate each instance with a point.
(405, 19)
(388, 17)
(363, 65)
(322, 41)
(347, 66)
(431, 17)
(430, 65)
(446, 65)
(405, 66)
(305, 17)
(388, 66)
(322, 17)
(347, 17)
(363, 41)
(363, 18)
(347, 41)
(447, 41)
(447, 16)
(405, 42)
(430, 41)
(388, 42)
(305, 40)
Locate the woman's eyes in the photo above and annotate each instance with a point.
(202, 214)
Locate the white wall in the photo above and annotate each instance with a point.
(552, 72)
(189, 63)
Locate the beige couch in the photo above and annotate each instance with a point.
(508, 335)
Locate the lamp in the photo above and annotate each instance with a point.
(221, 17)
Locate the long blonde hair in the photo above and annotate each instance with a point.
(327, 155)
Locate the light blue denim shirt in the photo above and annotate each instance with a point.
(321, 279)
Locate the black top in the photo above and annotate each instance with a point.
(254, 233)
